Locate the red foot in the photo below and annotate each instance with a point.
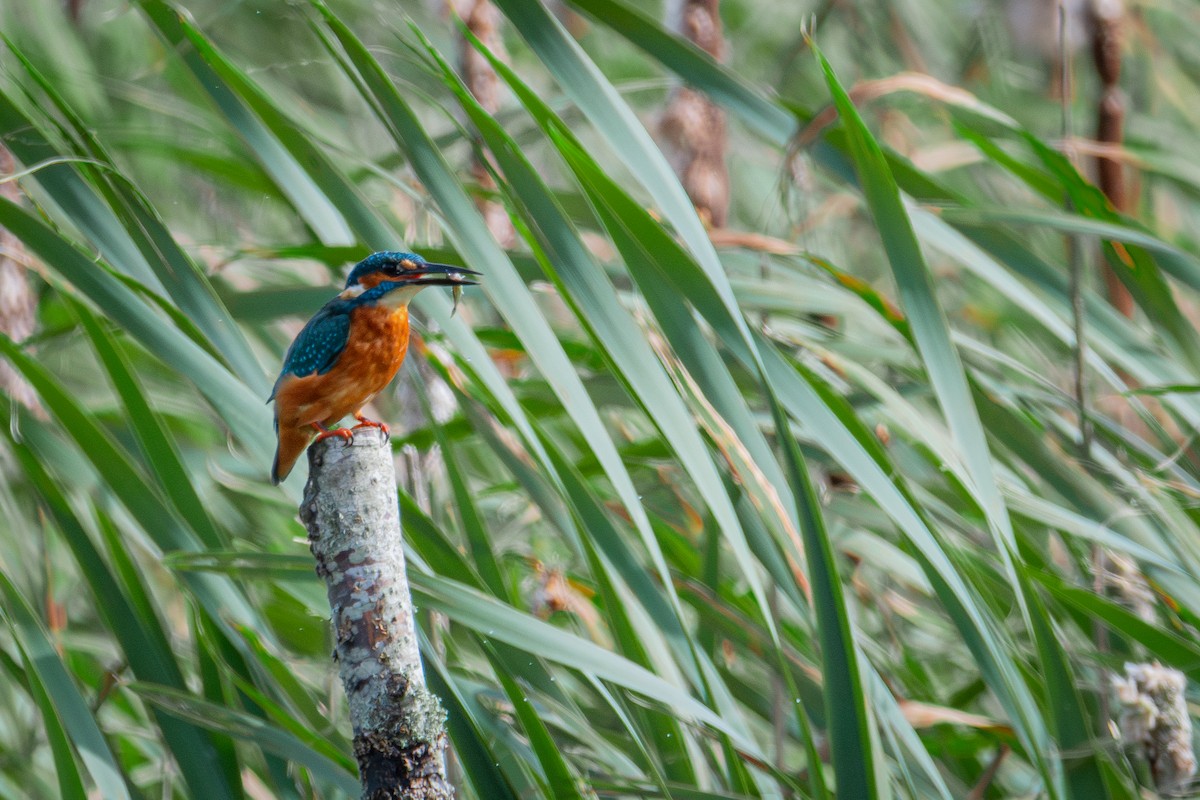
(325, 433)
(363, 422)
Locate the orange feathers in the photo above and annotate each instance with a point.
(374, 351)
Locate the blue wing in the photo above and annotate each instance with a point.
(318, 345)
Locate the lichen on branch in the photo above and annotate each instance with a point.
(353, 523)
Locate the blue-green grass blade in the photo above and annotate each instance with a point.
(1074, 728)
(241, 679)
(602, 534)
(648, 250)
(857, 766)
(231, 170)
(240, 408)
(266, 131)
(613, 328)
(243, 564)
(70, 781)
(561, 779)
(650, 761)
(266, 305)
(757, 111)
(303, 707)
(241, 725)
(183, 280)
(1039, 180)
(161, 454)
(619, 788)
(468, 513)
(267, 708)
(126, 609)
(213, 689)
(612, 562)
(496, 620)
(471, 743)
(170, 310)
(464, 227)
(503, 284)
(426, 539)
(668, 744)
(911, 755)
(927, 321)
(1171, 648)
(46, 667)
(130, 486)
(66, 189)
(615, 121)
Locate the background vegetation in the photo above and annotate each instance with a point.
(799, 507)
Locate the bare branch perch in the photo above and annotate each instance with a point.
(353, 526)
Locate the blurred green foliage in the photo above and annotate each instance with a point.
(796, 509)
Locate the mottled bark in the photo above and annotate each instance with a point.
(353, 526)
(693, 127)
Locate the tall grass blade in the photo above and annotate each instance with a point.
(46, 667)
(613, 329)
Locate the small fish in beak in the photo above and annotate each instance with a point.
(446, 275)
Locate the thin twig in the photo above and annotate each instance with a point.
(1075, 263)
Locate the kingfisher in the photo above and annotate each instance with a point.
(350, 350)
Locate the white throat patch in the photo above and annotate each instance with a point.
(397, 298)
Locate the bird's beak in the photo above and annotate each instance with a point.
(443, 275)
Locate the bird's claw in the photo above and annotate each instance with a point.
(344, 433)
(363, 422)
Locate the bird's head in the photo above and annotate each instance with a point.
(395, 278)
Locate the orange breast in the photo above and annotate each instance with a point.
(375, 350)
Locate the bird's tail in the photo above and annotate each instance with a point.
(292, 442)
